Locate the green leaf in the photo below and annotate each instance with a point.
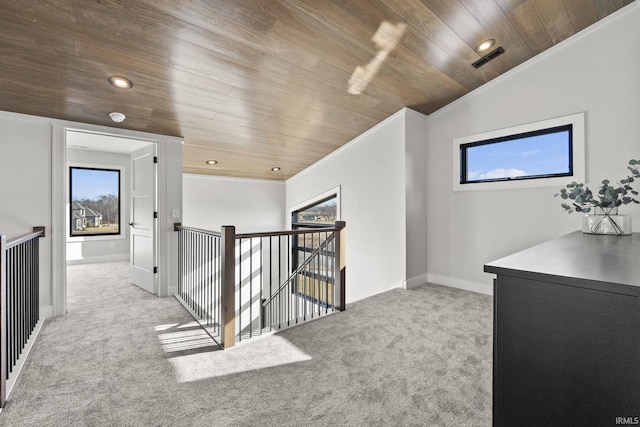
(607, 195)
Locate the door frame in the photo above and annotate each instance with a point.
(169, 202)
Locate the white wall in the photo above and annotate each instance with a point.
(250, 205)
(371, 173)
(25, 189)
(103, 248)
(416, 176)
(30, 147)
(596, 72)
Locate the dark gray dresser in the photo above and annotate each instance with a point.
(566, 334)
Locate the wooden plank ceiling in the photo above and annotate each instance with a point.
(256, 84)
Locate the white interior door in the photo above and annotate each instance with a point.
(143, 223)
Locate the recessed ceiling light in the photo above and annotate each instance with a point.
(120, 82)
(117, 117)
(276, 169)
(211, 162)
(485, 45)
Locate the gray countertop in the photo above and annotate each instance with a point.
(577, 257)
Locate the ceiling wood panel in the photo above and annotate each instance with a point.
(261, 83)
(606, 7)
(555, 19)
(525, 17)
(581, 13)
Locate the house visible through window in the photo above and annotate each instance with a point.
(94, 201)
(322, 213)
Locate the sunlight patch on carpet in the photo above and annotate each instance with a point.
(185, 340)
(166, 327)
(258, 353)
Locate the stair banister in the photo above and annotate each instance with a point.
(24, 314)
(300, 268)
(212, 283)
(341, 264)
(228, 315)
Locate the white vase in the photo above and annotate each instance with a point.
(606, 221)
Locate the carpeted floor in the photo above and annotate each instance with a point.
(123, 357)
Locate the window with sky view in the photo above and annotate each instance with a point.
(539, 154)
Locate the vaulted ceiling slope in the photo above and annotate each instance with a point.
(256, 84)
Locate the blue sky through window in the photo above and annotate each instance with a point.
(91, 183)
(537, 155)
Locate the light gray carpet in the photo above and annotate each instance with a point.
(122, 357)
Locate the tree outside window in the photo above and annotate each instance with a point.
(94, 201)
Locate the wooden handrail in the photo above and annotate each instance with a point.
(178, 226)
(286, 233)
(16, 240)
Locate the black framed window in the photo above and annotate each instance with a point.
(543, 153)
(94, 201)
(320, 214)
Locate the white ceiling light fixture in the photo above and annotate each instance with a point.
(276, 169)
(485, 45)
(211, 162)
(117, 117)
(120, 82)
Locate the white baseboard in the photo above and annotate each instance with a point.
(99, 259)
(423, 279)
(46, 311)
(481, 288)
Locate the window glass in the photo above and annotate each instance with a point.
(540, 154)
(312, 251)
(94, 201)
(530, 155)
(322, 213)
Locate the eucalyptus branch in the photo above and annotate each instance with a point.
(581, 199)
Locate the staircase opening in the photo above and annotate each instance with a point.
(238, 286)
